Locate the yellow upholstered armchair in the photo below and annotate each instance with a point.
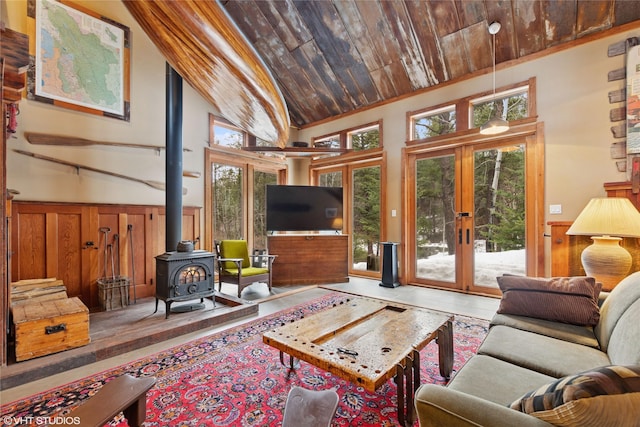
(235, 265)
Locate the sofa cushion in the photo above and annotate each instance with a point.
(624, 344)
(540, 353)
(439, 406)
(577, 334)
(563, 299)
(606, 396)
(496, 380)
(626, 293)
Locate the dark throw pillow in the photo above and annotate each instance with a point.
(606, 396)
(562, 299)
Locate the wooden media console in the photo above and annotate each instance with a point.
(309, 259)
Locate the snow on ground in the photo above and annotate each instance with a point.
(488, 266)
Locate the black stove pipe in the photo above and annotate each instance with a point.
(173, 163)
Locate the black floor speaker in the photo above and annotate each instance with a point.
(389, 265)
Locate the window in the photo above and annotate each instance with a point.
(263, 143)
(330, 179)
(359, 138)
(332, 141)
(512, 103)
(227, 188)
(433, 123)
(509, 105)
(362, 178)
(366, 192)
(364, 138)
(227, 136)
(260, 181)
(235, 192)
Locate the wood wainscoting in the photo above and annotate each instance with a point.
(64, 241)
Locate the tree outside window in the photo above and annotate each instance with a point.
(435, 123)
(512, 106)
(228, 136)
(366, 218)
(365, 139)
(227, 202)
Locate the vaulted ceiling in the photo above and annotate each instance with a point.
(331, 57)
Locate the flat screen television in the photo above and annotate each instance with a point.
(303, 208)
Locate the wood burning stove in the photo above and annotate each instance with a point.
(184, 276)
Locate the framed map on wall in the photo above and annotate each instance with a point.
(80, 59)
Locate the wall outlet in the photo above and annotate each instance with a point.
(555, 209)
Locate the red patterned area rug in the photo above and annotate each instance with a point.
(231, 378)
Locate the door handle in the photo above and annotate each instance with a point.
(460, 236)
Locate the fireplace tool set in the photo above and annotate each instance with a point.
(182, 275)
(113, 289)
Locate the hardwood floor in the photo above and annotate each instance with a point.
(267, 303)
(126, 330)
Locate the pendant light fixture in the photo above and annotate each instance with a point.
(495, 124)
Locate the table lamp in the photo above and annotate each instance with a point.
(606, 220)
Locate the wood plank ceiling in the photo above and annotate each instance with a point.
(331, 57)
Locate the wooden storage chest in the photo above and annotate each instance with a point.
(47, 327)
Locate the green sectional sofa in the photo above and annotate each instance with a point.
(532, 371)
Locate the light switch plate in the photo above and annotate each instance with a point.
(555, 209)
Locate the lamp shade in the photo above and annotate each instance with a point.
(494, 126)
(607, 216)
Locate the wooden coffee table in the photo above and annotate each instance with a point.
(368, 341)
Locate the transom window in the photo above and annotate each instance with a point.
(227, 135)
(331, 141)
(432, 123)
(509, 105)
(364, 137)
(512, 103)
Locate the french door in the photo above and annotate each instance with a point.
(473, 214)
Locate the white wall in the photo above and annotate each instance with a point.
(44, 181)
